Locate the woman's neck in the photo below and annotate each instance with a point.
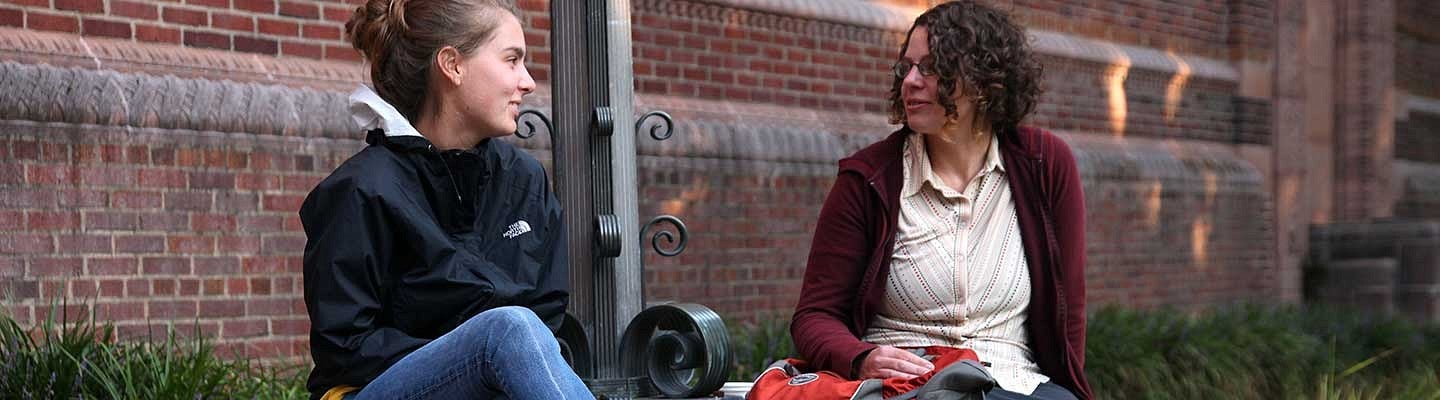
(956, 155)
(443, 128)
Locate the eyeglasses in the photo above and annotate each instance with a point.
(902, 67)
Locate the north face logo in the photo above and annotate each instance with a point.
(516, 229)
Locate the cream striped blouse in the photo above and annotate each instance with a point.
(958, 277)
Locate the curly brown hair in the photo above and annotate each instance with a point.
(985, 54)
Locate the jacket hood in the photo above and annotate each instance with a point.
(371, 112)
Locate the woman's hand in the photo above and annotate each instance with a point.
(891, 362)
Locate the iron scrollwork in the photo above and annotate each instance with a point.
(667, 236)
(682, 347)
(666, 122)
(529, 132)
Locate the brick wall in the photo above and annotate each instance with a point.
(178, 203)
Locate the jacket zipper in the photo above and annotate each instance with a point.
(449, 175)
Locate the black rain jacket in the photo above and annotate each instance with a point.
(406, 242)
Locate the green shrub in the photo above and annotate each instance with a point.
(62, 359)
(756, 345)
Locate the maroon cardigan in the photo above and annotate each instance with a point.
(855, 236)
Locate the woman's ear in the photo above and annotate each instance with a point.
(447, 63)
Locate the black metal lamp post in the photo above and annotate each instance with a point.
(671, 350)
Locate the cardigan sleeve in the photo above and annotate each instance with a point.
(838, 256)
(1067, 200)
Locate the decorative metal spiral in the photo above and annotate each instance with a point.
(529, 132)
(607, 235)
(665, 234)
(683, 347)
(575, 346)
(667, 122)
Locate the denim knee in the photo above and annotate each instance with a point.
(505, 317)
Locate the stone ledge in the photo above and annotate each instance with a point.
(66, 50)
(898, 19)
(712, 130)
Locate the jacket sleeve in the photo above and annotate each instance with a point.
(838, 255)
(554, 285)
(1067, 199)
(344, 263)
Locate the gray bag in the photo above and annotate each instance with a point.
(964, 380)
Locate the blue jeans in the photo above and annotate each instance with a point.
(501, 353)
(1046, 391)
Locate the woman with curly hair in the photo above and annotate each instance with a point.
(961, 235)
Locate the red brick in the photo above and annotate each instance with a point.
(212, 180)
(126, 311)
(256, 181)
(104, 266)
(270, 307)
(110, 220)
(107, 176)
(282, 244)
(238, 245)
(339, 14)
(163, 287)
(299, 10)
(231, 201)
(256, 45)
(234, 22)
(83, 244)
(212, 266)
(161, 178)
(172, 309)
(210, 3)
(259, 223)
(290, 326)
(341, 53)
(189, 287)
(264, 265)
(201, 222)
(212, 287)
(134, 9)
(260, 286)
(259, 6)
(84, 290)
(137, 288)
(139, 244)
(14, 220)
(163, 156)
(277, 27)
(165, 221)
(137, 155)
(81, 198)
(184, 16)
(128, 199)
(12, 17)
(322, 32)
(232, 328)
(301, 183)
(237, 286)
(188, 201)
(84, 6)
(206, 40)
(15, 197)
(52, 220)
(221, 308)
(111, 288)
(164, 266)
(282, 202)
(190, 244)
(57, 266)
(307, 50)
(49, 174)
